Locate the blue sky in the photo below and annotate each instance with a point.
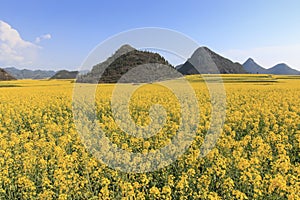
(60, 34)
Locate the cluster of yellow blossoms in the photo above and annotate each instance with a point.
(42, 156)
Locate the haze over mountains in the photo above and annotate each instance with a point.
(29, 74)
(280, 69)
(40, 74)
(202, 61)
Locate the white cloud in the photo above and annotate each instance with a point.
(43, 37)
(13, 49)
(268, 56)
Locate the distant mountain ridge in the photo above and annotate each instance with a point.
(252, 67)
(65, 74)
(283, 69)
(29, 74)
(205, 61)
(280, 69)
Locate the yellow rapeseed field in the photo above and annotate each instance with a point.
(42, 156)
